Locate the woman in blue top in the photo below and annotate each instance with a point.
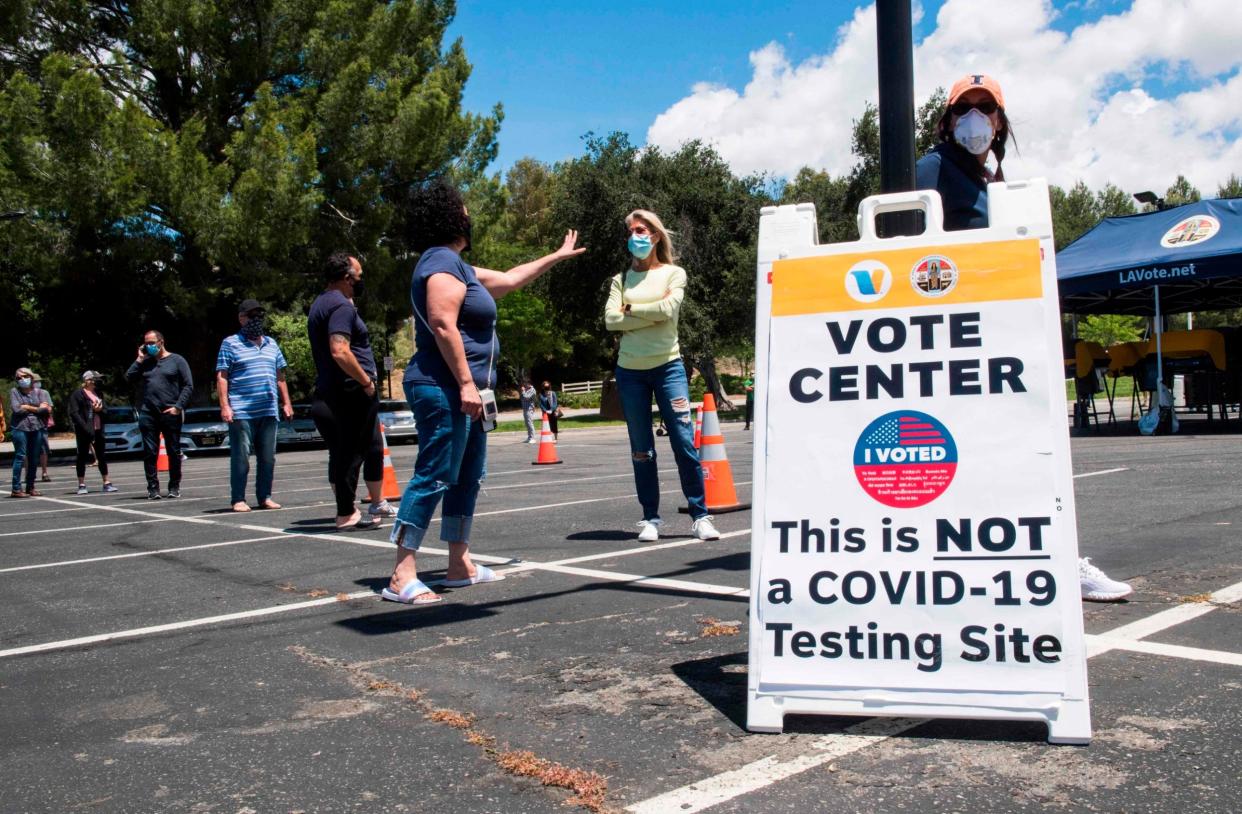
(972, 125)
(455, 335)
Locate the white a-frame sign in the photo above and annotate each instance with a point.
(914, 549)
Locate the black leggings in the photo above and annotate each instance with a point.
(85, 442)
(349, 423)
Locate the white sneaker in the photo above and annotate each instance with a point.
(382, 509)
(704, 530)
(648, 531)
(531, 441)
(1097, 587)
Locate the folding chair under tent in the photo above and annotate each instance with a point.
(1185, 258)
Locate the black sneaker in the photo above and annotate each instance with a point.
(173, 493)
(153, 494)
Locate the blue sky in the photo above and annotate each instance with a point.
(564, 68)
(1128, 92)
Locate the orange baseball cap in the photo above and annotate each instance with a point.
(977, 80)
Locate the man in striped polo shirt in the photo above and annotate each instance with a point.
(250, 378)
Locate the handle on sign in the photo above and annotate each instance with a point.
(927, 200)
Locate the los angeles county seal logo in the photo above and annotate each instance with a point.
(1195, 229)
(933, 276)
(905, 459)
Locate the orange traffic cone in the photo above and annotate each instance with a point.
(717, 474)
(161, 463)
(390, 489)
(698, 428)
(547, 446)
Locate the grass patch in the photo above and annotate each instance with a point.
(566, 423)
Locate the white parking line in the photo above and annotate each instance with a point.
(84, 528)
(1176, 651)
(157, 552)
(189, 623)
(721, 788)
(726, 786)
(1103, 472)
(45, 511)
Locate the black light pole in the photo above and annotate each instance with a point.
(895, 49)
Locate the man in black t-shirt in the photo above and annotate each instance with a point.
(166, 389)
(345, 406)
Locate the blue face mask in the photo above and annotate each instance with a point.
(153, 350)
(24, 383)
(640, 246)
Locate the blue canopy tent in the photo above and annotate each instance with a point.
(1192, 254)
(1185, 258)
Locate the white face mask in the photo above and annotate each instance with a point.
(974, 132)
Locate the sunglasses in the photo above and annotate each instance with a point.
(985, 106)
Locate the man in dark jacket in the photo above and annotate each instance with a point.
(86, 411)
(166, 389)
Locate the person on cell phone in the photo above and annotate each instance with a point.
(166, 389)
(448, 383)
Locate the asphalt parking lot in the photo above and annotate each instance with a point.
(177, 657)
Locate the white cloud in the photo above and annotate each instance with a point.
(1076, 99)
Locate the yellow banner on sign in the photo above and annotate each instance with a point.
(908, 278)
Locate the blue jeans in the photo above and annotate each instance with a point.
(452, 462)
(27, 444)
(257, 435)
(672, 394)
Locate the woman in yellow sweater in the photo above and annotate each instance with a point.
(643, 304)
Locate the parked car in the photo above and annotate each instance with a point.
(398, 422)
(121, 430)
(202, 429)
(298, 430)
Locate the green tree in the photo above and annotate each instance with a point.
(831, 198)
(528, 332)
(1073, 213)
(1231, 188)
(714, 219)
(176, 156)
(925, 120)
(289, 329)
(1110, 329)
(1181, 192)
(1112, 201)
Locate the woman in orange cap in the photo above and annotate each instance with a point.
(972, 125)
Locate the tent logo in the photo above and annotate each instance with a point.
(868, 281)
(934, 276)
(1195, 229)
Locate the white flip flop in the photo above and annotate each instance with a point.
(482, 574)
(412, 589)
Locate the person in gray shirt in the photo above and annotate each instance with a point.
(28, 412)
(166, 389)
(528, 394)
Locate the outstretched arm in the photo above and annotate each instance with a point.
(500, 283)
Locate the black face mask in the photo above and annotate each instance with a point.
(360, 287)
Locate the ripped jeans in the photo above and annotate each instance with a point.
(672, 394)
(452, 461)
